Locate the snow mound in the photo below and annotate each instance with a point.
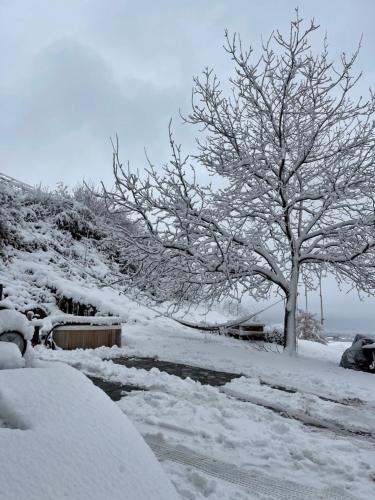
(10, 356)
(64, 438)
(13, 321)
(6, 304)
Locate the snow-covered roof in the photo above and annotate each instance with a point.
(62, 437)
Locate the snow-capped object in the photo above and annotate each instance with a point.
(10, 356)
(74, 442)
(90, 320)
(13, 321)
(6, 304)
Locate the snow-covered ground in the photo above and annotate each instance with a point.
(249, 423)
(246, 422)
(62, 438)
(233, 423)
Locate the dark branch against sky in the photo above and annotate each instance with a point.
(75, 73)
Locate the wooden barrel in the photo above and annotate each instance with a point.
(87, 336)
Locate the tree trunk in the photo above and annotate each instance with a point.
(290, 335)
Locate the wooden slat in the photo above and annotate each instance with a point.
(87, 336)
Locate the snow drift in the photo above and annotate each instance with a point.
(61, 437)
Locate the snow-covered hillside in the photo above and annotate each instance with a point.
(55, 247)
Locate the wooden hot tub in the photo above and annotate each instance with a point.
(87, 336)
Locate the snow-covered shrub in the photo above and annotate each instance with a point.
(309, 328)
(274, 335)
(90, 197)
(44, 202)
(79, 222)
(4, 230)
(9, 218)
(9, 236)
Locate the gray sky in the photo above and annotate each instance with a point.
(76, 72)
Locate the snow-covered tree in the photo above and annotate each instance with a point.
(291, 152)
(308, 327)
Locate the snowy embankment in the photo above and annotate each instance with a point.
(61, 437)
(259, 422)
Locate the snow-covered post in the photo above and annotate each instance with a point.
(295, 155)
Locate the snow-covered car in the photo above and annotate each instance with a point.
(360, 355)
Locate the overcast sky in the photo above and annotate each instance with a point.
(76, 72)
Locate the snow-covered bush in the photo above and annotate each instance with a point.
(90, 197)
(41, 205)
(9, 217)
(4, 230)
(44, 202)
(80, 222)
(274, 335)
(309, 328)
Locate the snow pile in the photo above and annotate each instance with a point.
(63, 438)
(10, 356)
(13, 321)
(6, 304)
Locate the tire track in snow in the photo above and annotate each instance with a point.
(304, 418)
(258, 482)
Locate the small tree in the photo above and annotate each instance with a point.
(309, 328)
(294, 152)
